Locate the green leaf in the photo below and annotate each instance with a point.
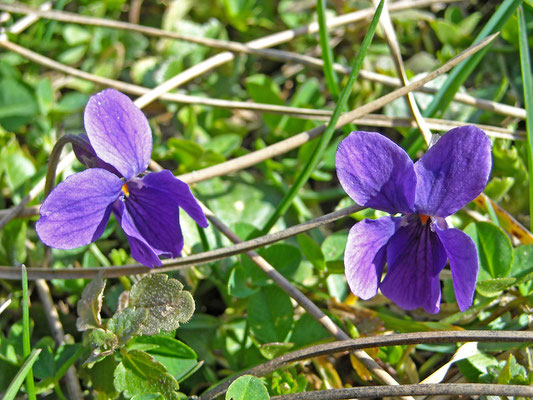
(239, 199)
(238, 12)
(307, 331)
(139, 373)
(127, 323)
(284, 257)
(247, 387)
(9, 371)
(291, 15)
(474, 366)
(224, 144)
(72, 55)
(163, 345)
(71, 102)
(522, 268)
(522, 261)
(273, 350)
(14, 241)
(45, 95)
(44, 367)
(16, 165)
(101, 375)
(494, 249)
(493, 287)
(190, 155)
(240, 283)
(164, 300)
(270, 314)
(76, 34)
(262, 89)
(177, 357)
(17, 104)
(312, 251)
(505, 374)
(90, 304)
(65, 357)
(333, 246)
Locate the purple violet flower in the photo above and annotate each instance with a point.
(377, 173)
(117, 150)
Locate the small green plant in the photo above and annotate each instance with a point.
(154, 306)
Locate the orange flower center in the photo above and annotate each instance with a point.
(423, 218)
(126, 190)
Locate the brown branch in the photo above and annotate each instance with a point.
(374, 341)
(456, 389)
(116, 271)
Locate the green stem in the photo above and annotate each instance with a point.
(527, 83)
(327, 52)
(26, 345)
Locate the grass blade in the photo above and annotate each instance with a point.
(303, 177)
(332, 80)
(15, 384)
(327, 52)
(26, 345)
(527, 82)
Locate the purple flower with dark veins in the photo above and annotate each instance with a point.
(117, 150)
(377, 173)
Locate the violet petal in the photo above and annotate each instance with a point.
(376, 172)
(365, 254)
(152, 216)
(77, 210)
(453, 172)
(463, 258)
(139, 247)
(172, 187)
(119, 132)
(415, 257)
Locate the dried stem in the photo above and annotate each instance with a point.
(461, 389)
(116, 271)
(73, 18)
(374, 341)
(483, 104)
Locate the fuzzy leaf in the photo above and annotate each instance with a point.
(102, 343)
(90, 304)
(127, 323)
(164, 300)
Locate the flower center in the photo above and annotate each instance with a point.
(126, 190)
(423, 218)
